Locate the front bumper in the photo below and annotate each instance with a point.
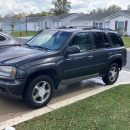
(12, 88)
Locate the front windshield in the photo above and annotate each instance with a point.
(51, 40)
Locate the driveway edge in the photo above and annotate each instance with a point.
(128, 49)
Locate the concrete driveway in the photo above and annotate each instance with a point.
(10, 108)
(128, 60)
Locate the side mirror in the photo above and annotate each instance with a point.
(73, 50)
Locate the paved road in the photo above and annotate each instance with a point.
(10, 108)
(128, 60)
(21, 40)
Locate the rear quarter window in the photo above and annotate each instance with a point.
(116, 40)
(2, 38)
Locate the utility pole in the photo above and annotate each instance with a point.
(26, 26)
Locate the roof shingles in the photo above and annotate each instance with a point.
(100, 16)
(53, 18)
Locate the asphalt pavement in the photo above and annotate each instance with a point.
(128, 60)
(22, 40)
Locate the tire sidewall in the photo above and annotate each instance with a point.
(108, 72)
(28, 98)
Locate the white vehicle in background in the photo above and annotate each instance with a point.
(7, 41)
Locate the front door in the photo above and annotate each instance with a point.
(77, 65)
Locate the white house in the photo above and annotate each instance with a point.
(37, 23)
(43, 22)
(113, 20)
(0, 25)
(119, 21)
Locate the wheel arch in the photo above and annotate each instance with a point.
(117, 60)
(51, 72)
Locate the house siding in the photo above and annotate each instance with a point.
(36, 25)
(82, 23)
(68, 21)
(31, 26)
(85, 23)
(123, 19)
(0, 26)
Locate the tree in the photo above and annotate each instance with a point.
(19, 15)
(111, 8)
(43, 13)
(12, 22)
(60, 7)
(128, 7)
(1, 18)
(114, 8)
(97, 11)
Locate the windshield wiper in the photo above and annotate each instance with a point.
(40, 47)
(27, 45)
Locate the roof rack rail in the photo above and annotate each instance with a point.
(85, 28)
(73, 27)
(104, 29)
(67, 27)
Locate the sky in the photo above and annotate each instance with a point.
(34, 6)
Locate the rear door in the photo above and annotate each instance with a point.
(101, 49)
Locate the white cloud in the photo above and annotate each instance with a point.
(88, 5)
(34, 6)
(18, 6)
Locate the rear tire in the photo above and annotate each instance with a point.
(39, 92)
(112, 74)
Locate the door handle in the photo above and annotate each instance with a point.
(90, 57)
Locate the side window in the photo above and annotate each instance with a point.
(116, 40)
(2, 38)
(82, 40)
(101, 40)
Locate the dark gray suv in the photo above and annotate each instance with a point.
(33, 71)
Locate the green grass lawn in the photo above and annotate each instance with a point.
(109, 110)
(126, 41)
(17, 34)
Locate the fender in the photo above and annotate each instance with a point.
(114, 57)
(46, 66)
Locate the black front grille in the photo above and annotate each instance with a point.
(3, 91)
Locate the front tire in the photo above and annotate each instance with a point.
(112, 74)
(39, 92)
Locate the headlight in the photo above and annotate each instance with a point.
(8, 71)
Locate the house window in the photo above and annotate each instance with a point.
(38, 26)
(96, 25)
(99, 25)
(45, 24)
(57, 24)
(121, 25)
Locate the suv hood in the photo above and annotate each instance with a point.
(16, 54)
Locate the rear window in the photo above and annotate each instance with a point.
(116, 40)
(101, 40)
(2, 38)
